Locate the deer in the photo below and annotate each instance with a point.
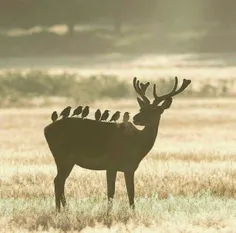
(111, 147)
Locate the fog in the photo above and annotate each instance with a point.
(152, 40)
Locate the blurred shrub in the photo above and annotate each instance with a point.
(16, 86)
(17, 89)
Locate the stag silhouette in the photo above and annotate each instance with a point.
(107, 146)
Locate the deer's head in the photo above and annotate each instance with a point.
(150, 112)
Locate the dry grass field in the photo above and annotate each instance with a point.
(186, 184)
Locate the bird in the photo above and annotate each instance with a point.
(126, 117)
(105, 115)
(98, 115)
(77, 111)
(115, 116)
(66, 112)
(54, 116)
(85, 112)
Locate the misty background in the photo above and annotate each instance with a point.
(55, 51)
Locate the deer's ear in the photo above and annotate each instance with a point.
(140, 102)
(166, 104)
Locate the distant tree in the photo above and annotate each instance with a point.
(222, 12)
(45, 13)
(131, 12)
(27, 13)
(78, 12)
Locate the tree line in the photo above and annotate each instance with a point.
(45, 13)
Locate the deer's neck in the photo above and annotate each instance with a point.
(148, 136)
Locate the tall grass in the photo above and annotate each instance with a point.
(187, 183)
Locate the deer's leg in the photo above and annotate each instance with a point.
(63, 172)
(111, 179)
(64, 176)
(57, 196)
(129, 181)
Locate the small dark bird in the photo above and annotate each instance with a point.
(115, 116)
(85, 112)
(126, 117)
(98, 115)
(54, 116)
(66, 112)
(77, 111)
(105, 115)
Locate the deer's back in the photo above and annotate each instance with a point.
(87, 137)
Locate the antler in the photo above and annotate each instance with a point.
(173, 92)
(141, 88)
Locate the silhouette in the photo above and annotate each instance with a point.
(105, 115)
(85, 112)
(77, 111)
(126, 117)
(66, 112)
(98, 115)
(54, 116)
(101, 146)
(115, 116)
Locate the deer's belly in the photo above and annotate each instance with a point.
(101, 162)
(92, 162)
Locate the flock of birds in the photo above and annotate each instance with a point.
(84, 112)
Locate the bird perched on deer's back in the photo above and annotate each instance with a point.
(85, 112)
(115, 116)
(105, 115)
(126, 117)
(54, 116)
(98, 115)
(77, 111)
(65, 112)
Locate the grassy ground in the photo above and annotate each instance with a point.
(187, 183)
